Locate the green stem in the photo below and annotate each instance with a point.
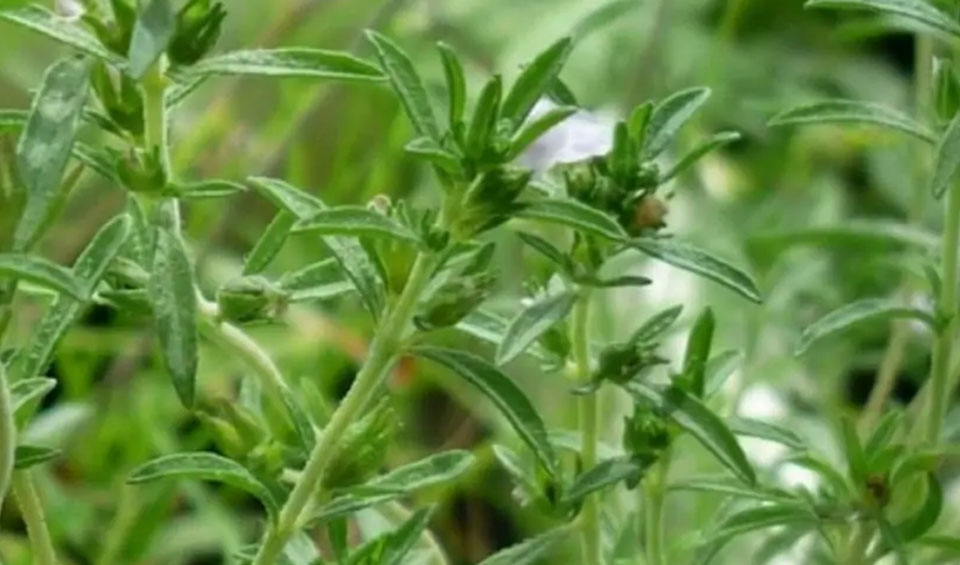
(381, 355)
(8, 436)
(856, 549)
(590, 515)
(938, 397)
(397, 514)
(30, 507)
(124, 518)
(653, 490)
(154, 87)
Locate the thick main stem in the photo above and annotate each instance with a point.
(30, 507)
(938, 396)
(381, 355)
(590, 516)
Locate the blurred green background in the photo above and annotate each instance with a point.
(114, 409)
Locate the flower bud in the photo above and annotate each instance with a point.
(645, 435)
(648, 213)
(142, 172)
(249, 298)
(198, 29)
(454, 300)
(362, 448)
(490, 200)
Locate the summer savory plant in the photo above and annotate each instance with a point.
(424, 271)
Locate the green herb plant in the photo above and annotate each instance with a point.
(424, 272)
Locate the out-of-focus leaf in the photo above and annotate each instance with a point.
(948, 158)
(529, 552)
(868, 309)
(654, 326)
(917, 10)
(491, 328)
(698, 352)
(751, 520)
(764, 430)
(24, 392)
(865, 235)
(31, 455)
(852, 111)
(42, 20)
(534, 128)
(711, 144)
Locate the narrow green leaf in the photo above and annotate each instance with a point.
(40, 19)
(26, 392)
(825, 470)
(669, 116)
(407, 84)
(534, 81)
(866, 235)
(948, 158)
(574, 214)
(46, 141)
(428, 472)
(31, 455)
(532, 322)
(354, 221)
(719, 368)
(639, 119)
(456, 84)
(89, 268)
(694, 417)
(427, 148)
(602, 16)
(654, 326)
(917, 10)
(529, 552)
(174, 300)
(289, 62)
(353, 259)
(548, 250)
(711, 144)
(491, 328)
(853, 112)
(507, 396)
(605, 474)
(8, 434)
(204, 467)
(884, 432)
(853, 449)
(210, 188)
(318, 281)
(698, 352)
(726, 487)
(392, 547)
(947, 544)
(484, 120)
(39, 271)
(767, 431)
(866, 310)
(269, 243)
(151, 35)
(533, 129)
(615, 282)
(699, 261)
(754, 519)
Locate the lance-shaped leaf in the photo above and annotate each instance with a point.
(853, 112)
(866, 310)
(89, 268)
(456, 84)
(507, 396)
(863, 235)
(920, 523)
(203, 467)
(536, 127)
(491, 327)
(698, 261)
(151, 35)
(602, 16)
(484, 120)
(46, 142)
(203, 189)
(354, 221)
(529, 552)
(713, 143)
(319, 281)
(764, 430)
(532, 322)
(356, 263)
(533, 81)
(548, 250)
(32, 455)
(669, 116)
(430, 471)
(391, 548)
(269, 244)
(948, 158)
(174, 299)
(574, 214)
(698, 352)
(291, 62)
(719, 368)
(604, 474)
(656, 325)
(726, 487)
(700, 422)
(407, 84)
(39, 271)
(42, 20)
(428, 149)
(754, 519)
(27, 392)
(919, 11)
